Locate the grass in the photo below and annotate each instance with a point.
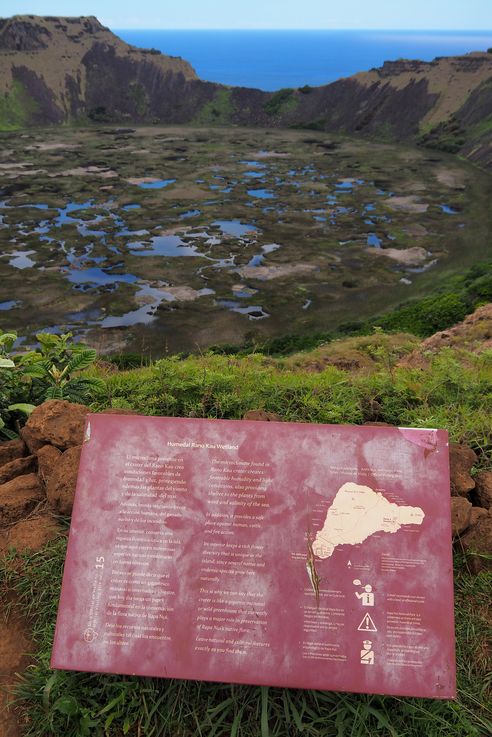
(483, 128)
(455, 392)
(218, 111)
(139, 96)
(448, 303)
(79, 704)
(455, 298)
(282, 101)
(16, 107)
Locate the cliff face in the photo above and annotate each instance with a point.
(55, 70)
(19, 35)
(50, 67)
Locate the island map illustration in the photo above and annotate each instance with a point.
(357, 512)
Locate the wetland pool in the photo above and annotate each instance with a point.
(300, 236)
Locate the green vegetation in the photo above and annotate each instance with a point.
(83, 704)
(481, 129)
(448, 136)
(99, 114)
(283, 101)
(315, 125)
(55, 369)
(16, 108)
(451, 394)
(52, 372)
(12, 406)
(454, 392)
(428, 315)
(218, 111)
(385, 132)
(139, 96)
(455, 298)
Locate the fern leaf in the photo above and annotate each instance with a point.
(82, 360)
(54, 392)
(39, 369)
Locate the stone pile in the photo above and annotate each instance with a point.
(471, 507)
(38, 475)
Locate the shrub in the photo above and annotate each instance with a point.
(278, 101)
(55, 369)
(53, 372)
(99, 114)
(426, 316)
(13, 394)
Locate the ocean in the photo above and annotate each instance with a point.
(270, 60)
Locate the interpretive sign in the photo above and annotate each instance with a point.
(270, 553)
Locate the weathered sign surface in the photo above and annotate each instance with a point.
(311, 556)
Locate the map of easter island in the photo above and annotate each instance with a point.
(357, 513)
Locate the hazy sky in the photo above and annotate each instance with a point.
(381, 14)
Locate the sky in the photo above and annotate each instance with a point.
(269, 14)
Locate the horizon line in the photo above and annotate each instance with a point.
(388, 30)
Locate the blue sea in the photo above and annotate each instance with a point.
(270, 60)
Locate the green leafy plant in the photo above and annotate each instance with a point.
(12, 390)
(54, 370)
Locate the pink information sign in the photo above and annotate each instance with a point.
(311, 556)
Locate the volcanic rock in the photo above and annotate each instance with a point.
(262, 415)
(19, 467)
(18, 497)
(56, 422)
(477, 544)
(483, 481)
(29, 534)
(461, 510)
(48, 457)
(11, 450)
(63, 481)
(476, 514)
(461, 460)
(31, 441)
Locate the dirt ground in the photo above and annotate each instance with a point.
(14, 644)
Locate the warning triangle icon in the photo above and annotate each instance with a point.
(367, 625)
